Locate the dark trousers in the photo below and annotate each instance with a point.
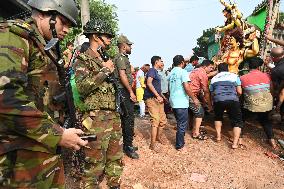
(263, 119)
(233, 109)
(181, 115)
(127, 122)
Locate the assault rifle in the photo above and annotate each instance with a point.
(67, 96)
(120, 104)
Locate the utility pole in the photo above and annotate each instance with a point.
(85, 12)
(85, 17)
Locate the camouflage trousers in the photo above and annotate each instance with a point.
(105, 154)
(27, 169)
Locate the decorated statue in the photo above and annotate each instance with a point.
(251, 42)
(233, 17)
(240, 40)
(235, 54)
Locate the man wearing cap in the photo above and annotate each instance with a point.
(124, 78)
(97, 92)
(30, 133)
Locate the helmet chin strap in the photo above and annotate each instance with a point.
(52, 23)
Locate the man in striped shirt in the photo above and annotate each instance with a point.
(258, 99)
(225, 88)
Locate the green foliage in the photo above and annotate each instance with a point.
(203, 42)
(281, 17)
(98, 9)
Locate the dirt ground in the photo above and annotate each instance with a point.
(205, 164)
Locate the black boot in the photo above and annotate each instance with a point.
(130, 152)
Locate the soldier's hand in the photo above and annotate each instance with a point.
(109, 64)
(71, 139)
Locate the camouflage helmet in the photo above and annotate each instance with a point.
(67, 8)
(98, 26)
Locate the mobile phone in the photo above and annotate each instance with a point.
(89, 138)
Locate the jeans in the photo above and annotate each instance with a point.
(181, 115)
(127, 122)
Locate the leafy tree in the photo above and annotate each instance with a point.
(98, 8)
(203, 42)
(281, 17)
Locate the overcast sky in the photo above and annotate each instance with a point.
(169, 27)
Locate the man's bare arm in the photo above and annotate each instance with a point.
(239, 90)
(207, 99)
(153, 90)
(277, 41)
(190, 94)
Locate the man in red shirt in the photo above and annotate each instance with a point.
(200, 89)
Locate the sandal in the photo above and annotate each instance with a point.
(271, 155)
(200, 137)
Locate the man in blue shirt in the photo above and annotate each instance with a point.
(179, 98)
(225, 88)
(155, 101)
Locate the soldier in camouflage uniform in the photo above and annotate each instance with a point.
(98, 109)
(29, 132)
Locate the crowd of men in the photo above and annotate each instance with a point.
(33, 123)
(199, 85)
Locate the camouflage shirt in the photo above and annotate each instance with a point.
(121, 62)
(28, 80)
(91, 82)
